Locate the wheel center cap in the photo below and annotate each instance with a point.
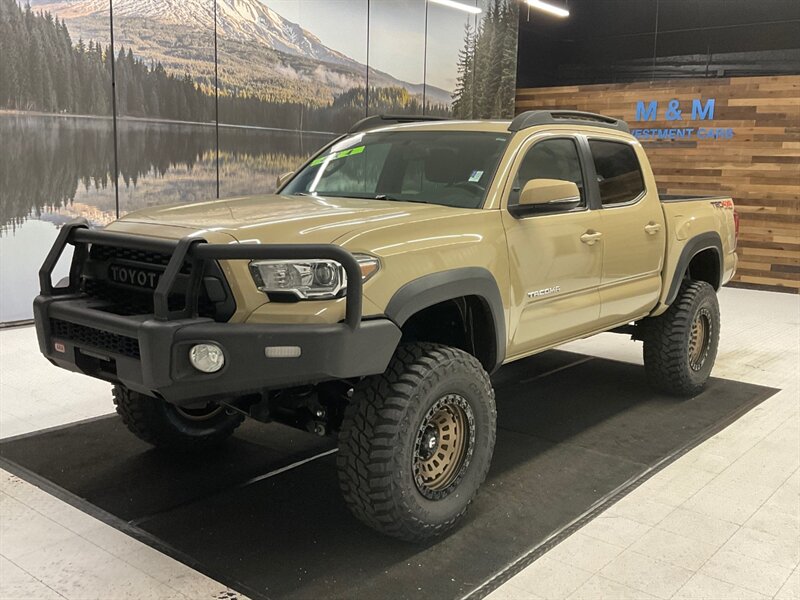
(430, 442)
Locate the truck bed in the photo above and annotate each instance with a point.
(684, 198)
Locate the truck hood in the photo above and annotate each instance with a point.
(279, 219)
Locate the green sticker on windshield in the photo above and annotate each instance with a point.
(342, 154)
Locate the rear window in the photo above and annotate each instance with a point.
(618, 172)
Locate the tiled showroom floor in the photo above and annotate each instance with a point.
(723, 521)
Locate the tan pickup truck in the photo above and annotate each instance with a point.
(374, 294)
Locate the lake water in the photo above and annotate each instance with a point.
(56, 168)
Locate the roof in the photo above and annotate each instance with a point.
(525, 120)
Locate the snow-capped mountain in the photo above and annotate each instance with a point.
(257, 46)
(247, 20)
(238, 20)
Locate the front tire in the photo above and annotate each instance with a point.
(417, 441)
(680, 346)
(167, 426)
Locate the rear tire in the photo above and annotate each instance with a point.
(680, 346)
(167, 426)
(417, 441)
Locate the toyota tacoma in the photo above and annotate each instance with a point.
(375, 293)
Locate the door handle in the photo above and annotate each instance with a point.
(590, 237)
(652, 228)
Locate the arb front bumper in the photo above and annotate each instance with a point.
(149, 353)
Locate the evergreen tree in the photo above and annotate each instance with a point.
(508, 78)
(487, 65)
(491, 104)
(463, 96)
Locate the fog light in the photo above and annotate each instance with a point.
(207, 358)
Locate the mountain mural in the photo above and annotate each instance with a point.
(261, 54)
(73, 144)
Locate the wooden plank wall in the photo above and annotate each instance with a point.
(759, 167)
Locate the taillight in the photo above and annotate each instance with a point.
(736, 224)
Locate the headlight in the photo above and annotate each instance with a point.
(308, 279)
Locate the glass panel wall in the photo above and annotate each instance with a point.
(283, 77)
(396, 69)
(56, 132)
(451, 34)
(291, 72)
(166, 138)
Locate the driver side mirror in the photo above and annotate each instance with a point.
(284, 178)
(546, 196)
(550, 194)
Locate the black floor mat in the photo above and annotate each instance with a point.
(572, 431)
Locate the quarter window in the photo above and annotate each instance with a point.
(619, 175)
(549, 159)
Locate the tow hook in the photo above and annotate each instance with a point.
(318, 426)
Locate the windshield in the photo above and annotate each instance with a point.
(451, 168)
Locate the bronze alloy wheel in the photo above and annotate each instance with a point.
(681, 344)
(699, 339)
(443, 447)
(201, 413)
(416, 441)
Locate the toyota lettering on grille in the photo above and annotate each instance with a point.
(133, 276)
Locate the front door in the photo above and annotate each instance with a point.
(555, 257)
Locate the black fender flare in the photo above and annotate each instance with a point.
(435, 288)
(703, 241)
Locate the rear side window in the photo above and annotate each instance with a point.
(618, 172)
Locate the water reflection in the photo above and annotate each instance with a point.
(252, 159)
(46, 163)
(165, 163)
(56, 168)
(53, 164)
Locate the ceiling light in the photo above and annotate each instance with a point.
(550, 8)
(465, 7)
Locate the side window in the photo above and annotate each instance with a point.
(619, 175)
(550, 159)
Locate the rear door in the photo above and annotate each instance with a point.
(555, 262)
(634, 232)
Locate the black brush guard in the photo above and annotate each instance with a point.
(149, 353)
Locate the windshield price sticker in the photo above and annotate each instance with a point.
(342, 154)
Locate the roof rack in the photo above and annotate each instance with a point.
(532, 118)
(380, 120)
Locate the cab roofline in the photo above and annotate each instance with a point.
(534, 118)
(524, 120)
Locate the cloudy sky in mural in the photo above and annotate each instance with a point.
(340, 25)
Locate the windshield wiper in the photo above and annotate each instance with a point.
(357, 195)
(396, 199)
(362, 196)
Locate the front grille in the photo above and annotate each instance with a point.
(141, 256)
(82, 335)
(128, 300)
